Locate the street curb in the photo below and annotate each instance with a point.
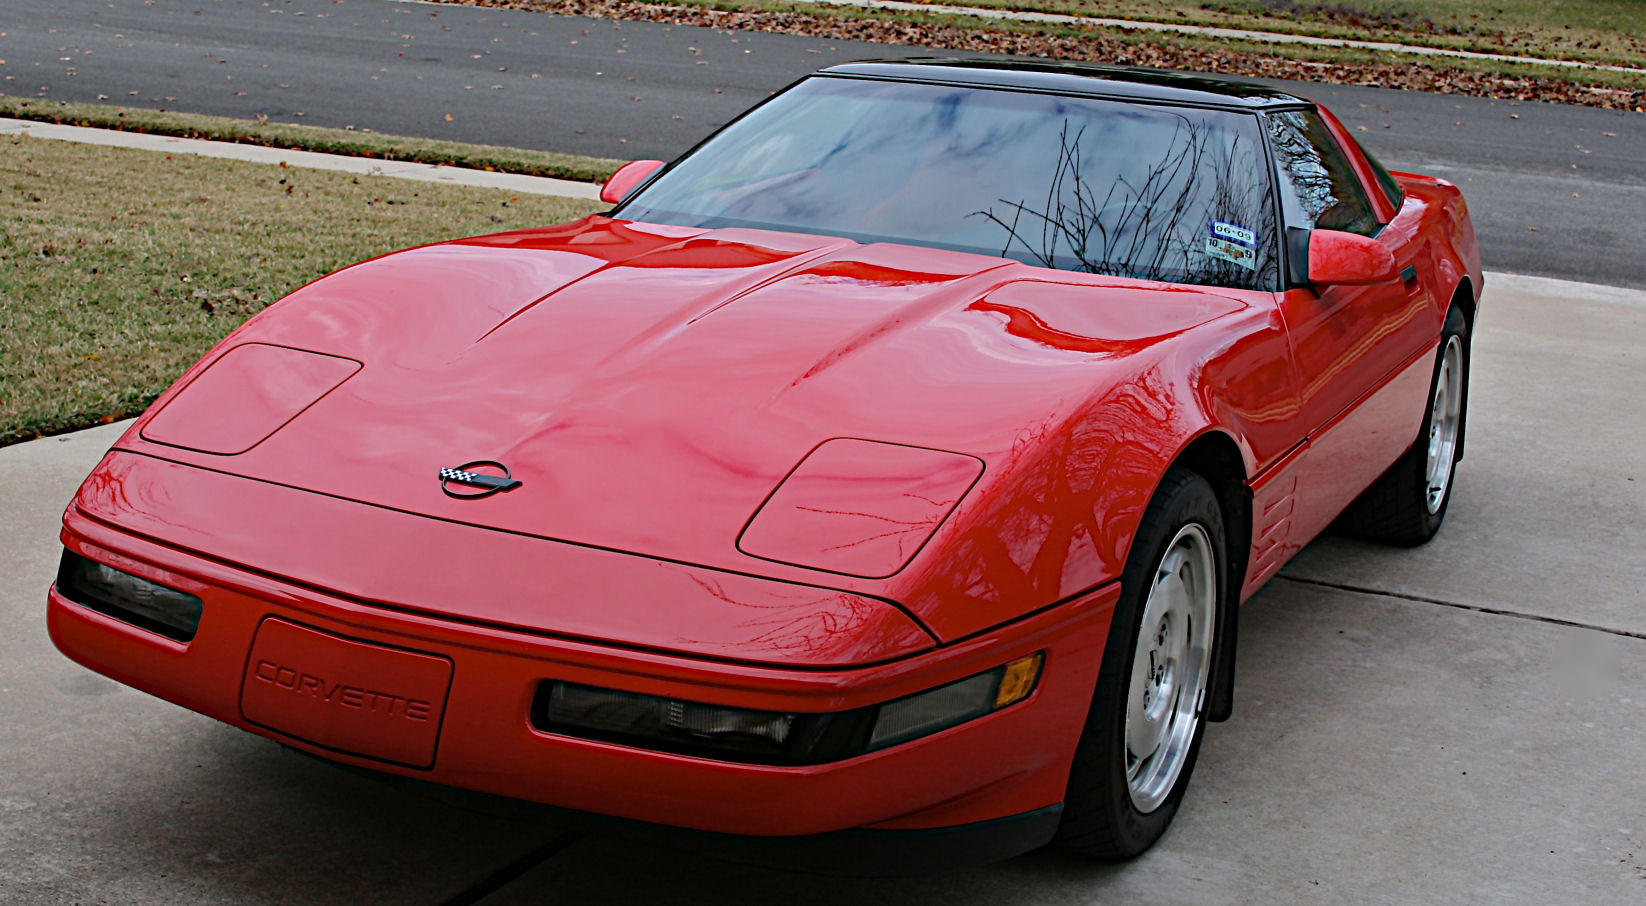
(314, 160)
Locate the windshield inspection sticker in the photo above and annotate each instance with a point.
(1233, 242)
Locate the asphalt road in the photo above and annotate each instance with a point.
(1556, 191)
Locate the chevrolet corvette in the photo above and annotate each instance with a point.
(875, 486)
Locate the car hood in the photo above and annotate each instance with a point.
(651, 387)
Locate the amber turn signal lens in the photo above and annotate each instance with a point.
(1018, 680)
(766, 737)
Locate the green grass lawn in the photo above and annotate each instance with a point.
(119, 268)
(1609, 31)
(311, 138)
(1196, 53)
(1595, 31)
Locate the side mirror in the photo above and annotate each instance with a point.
(1339, 258)
(626, 178)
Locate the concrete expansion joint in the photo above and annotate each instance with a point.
(508, 874)
(1476, 608)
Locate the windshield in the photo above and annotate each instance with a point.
(1132, 190)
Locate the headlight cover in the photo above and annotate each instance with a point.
(858, 507)
(242, 398)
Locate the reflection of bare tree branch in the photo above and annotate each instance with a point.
(816, 624)
(1149, 224)
(1317, 175)
(1064, 511)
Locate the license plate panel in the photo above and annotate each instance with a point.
(356, 697)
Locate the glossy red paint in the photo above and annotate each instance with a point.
(250, 392)
(858, 507)
(1361, 357)
(657, 384)
(627, 177)
(348, 696)
(759, 469)
(973, 772)
(461, 572)
(1345, 259)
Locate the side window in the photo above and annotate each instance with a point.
(1318, 188)
(1391, 187)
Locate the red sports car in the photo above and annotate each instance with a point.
(874, 487)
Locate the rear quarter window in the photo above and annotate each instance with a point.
(1318, 187)
(1391, 186)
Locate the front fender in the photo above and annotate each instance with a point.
(1059, 515)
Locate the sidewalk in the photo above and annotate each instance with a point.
(514, 182)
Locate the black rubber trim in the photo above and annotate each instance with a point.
(1074, 79)
(848, 853)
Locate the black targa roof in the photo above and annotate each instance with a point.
(1089, 79)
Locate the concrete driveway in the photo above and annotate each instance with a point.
(1458, 723)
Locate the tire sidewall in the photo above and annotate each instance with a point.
(1098, 791)
(1456, 325)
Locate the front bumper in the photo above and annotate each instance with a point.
(999, 774)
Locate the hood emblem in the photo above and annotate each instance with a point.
(486, 484)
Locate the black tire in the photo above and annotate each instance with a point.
(1101, 817)
(1398, 509)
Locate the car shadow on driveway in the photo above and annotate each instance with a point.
(1382, 749)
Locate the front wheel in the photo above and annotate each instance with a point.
(1148, 714)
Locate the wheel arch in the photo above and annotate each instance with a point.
(1215, 456)
(1466, 299)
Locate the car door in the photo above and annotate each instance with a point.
(1361, 352)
